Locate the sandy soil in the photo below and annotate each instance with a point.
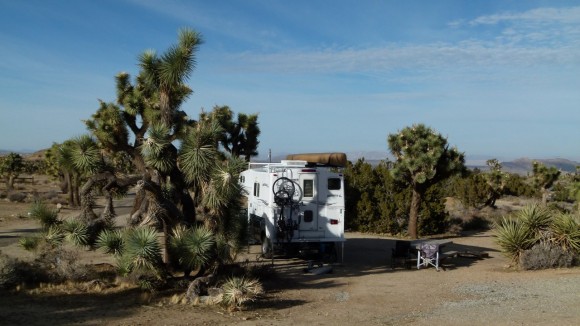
(362, 290)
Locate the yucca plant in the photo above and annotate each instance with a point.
(536, 217)
(54, 236)
(111, 242)
(46, 216)
(566, 232)
(239, 290)
(29, 243)
(513, 236)
(142, 249)
(75, 232)
(191, 248)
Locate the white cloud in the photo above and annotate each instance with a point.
(535, 16)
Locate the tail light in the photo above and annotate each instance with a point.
(333, 221)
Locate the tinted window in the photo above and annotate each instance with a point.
(308, 187)
(334, 184)
(308, 216)
(256, 189)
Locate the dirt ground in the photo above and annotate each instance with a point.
(360, 290)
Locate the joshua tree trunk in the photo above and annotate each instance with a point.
(414, 213)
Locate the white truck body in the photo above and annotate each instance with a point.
(296, 201)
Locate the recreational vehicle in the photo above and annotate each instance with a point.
(297, 205)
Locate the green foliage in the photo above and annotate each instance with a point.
(142, 249)
(375, 202)
(536, 217)
(566, 231)
(45, 215)
(239, 290)
(537, 237)
(513, 237)
(11, 164)
(76, 232)
(423, 157)
(110, 241)
(29, 243)
(471, 190)
(191, 248)
(517, 186)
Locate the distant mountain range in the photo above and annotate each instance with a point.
(520, 166)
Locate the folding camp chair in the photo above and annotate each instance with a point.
(428, 254)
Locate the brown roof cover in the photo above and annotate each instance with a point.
(334, 159)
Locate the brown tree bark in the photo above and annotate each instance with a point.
(414, 213)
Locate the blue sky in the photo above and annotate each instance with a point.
(498, 78)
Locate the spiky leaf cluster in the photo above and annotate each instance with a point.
(422, 156)
(192, 247)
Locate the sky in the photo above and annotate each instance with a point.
(497, 78)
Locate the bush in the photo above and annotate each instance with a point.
(17, 197)
(9, 274)
(546, 255)
(239, 290)
(537, 237)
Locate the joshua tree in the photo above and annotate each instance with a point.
(10, 167)
(544, 178)
(423, 158)
(496, 181)
(185, 179)
(239, 138)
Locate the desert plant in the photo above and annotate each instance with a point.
(191, 247)
(142, 249)
(536, 217)
(29, 243)
(545, 255)
(75, 232)
(110, 241)
(54, 236)
(239, 290)
(46, 216)
(9, 275)
(565, 232)
(513, 237)
(423, 158)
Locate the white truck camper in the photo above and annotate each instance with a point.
(297, 206)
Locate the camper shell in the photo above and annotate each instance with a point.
(297, 204)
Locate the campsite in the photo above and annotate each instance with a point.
(363, 289)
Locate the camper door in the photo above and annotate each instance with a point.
(309, 207)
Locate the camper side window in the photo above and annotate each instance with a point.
(256, 189)
(308, 187)
(308, 216)
(333, 183)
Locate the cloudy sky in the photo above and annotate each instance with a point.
(498, 78)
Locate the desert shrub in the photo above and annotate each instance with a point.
(75, 232)
(48, 196)
(239, 290)
(9, 272)
(110, 241)
(537, 237)
(62, 264)
(513, 237)
(476, 223)
(45, 215)
(545, 255)
(30, 243)
(17, 197)
(191, 247)
(565, 232)
(536, 217)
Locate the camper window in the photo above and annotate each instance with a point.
(308, 187)
(256, 189)
(333, 183)
(308, 216)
